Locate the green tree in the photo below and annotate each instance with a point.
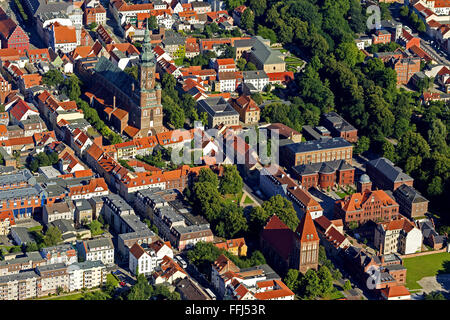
(347, 285)
(292, 279)
(53, 78)
(435, 295)
(257, 98)
(52, 236)
(234, 222)
(325, 281)
(404, 11)
(231, 181)
(267, 33)
(207, 175)
(31, 246)
(152, 23)
(258, 7)
(95, 227)
(349, 53)
(240, 63)
(310, 285)
(93, 26)
(248, 19)
(250, 66)
(362, 145)
(277, 205)
(436, 187)
(133, 72)
(141, 290)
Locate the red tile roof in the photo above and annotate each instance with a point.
(306, 229)
(279, 236)
(395, 291)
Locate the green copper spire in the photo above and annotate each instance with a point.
(147, 54)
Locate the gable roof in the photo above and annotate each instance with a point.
(306, 229)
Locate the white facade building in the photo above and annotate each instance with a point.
(88, 274)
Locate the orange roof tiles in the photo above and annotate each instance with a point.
(357, 200)
(64, 34)
(395, 291)
(274, 289)
(137, 251)
(306, 229)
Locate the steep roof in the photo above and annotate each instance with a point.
(306, 229)
(389, 170)
(279, 236)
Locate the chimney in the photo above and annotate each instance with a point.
(114, 102)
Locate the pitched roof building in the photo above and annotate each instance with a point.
(287, 249)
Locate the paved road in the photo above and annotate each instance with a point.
(196, 276)
(438, 55)
(439, 283)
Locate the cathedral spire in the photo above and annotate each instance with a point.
(147, 54)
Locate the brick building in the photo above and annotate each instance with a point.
(325, 174)
(385, 175)
(286, 249)
(405, 68)
(412, 203)
(140, 101)
(369, 205)
(12, 35)
(247, 108)
(381, 36)
(316, 151)
(339, 127)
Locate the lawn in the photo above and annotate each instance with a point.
(269, 96)
(236, 198)
(341, 194)
(424, 266)
(76, 296)
(248, 200)
(334, 295)
(36, 228)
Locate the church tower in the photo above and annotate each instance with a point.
(150, 107)
(306, 245)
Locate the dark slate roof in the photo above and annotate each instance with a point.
(316, 145)
(265, 54)
(255, 74)
(409, 193)
(338, 122)
(244, 43)
(387, 168)
(217, 107)
(115, 75)
(322, 167)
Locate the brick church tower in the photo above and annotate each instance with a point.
(306, 245)
(150, 116)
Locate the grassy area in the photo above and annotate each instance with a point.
(335, 294)
(179, 61)
(76, 296)
(247, 200)
(293, 61)
(36, 228)
(424, 266)
(341, 194)
(236, 198)
(269, 96)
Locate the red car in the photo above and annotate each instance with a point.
(123, 284)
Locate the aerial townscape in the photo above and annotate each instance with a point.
(224, 150)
